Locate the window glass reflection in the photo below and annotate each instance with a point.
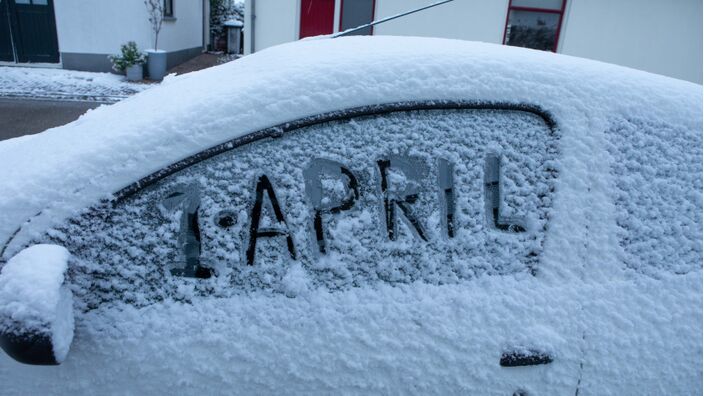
(547, 4)
(537, 30)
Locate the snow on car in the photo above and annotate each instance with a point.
(362, 215)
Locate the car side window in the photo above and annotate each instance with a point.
(429, 195)
(658, 204)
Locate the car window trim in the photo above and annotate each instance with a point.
(277, 131)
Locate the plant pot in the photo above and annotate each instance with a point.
(156, 63)
(135, 72)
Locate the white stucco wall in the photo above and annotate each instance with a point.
(660, 36)
(477, 20)
(275, 22)
(101, 26)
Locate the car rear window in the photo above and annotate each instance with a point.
(435, 196)
(657, 171)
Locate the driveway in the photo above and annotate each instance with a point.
(25, 117)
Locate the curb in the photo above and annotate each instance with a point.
(108, 99)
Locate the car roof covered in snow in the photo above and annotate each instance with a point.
(67, 168)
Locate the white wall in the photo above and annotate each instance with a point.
(660, 36)
(101, 26)
(275, 22)
(477, 20)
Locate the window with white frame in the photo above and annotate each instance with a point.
(534, 23)
(168, 8)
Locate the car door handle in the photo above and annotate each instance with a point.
(531, 357)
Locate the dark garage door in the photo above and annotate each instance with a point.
(6, 53)
(28, 31)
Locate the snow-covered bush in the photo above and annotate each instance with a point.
(130, 56)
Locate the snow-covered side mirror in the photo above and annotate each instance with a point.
(36, 308)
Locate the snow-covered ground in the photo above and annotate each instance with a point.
(59, 84)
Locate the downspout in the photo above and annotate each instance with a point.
(252, 17)
(202, 30)
(205, 26)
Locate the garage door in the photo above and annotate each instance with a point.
(28, 31)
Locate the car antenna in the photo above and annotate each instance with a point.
(373, 23)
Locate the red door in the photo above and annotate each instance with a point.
(316, 17)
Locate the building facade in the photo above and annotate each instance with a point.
(80, 34)
(658, 36)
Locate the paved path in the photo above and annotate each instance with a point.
(200, 62)
(20, 116)
(25, 117)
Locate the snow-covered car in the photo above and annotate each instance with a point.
(362, 215)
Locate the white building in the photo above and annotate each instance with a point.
(79, 34)
(659, 36)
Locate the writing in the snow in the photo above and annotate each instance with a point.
(397, 200)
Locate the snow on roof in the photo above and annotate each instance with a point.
(70, 167)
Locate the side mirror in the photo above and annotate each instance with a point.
(36, 307)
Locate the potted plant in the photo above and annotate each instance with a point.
(130, 62)
(156, 58)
